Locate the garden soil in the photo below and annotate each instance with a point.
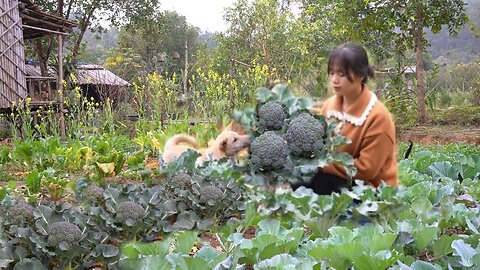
(440, 134)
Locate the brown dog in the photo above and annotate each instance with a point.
(227, 144)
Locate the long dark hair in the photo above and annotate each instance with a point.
(352, 59)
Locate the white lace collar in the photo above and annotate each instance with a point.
(357, 121)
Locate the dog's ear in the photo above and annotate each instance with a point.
(223, 145)
(237, 127)
(219, 125)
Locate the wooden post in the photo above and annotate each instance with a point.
(185, 77)
(232, 78)
(60, 87)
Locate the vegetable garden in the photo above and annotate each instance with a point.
(105, 202)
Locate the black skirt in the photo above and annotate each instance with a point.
(324, 183)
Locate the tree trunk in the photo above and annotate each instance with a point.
(419, 51)
(42, 56)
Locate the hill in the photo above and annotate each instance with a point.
(463, 48)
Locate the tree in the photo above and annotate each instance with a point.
(389, 27)
(163, 35)
(268, 33)
(89, 14)
(415, 16)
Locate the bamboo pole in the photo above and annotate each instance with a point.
(60, 87)
(45, 30)
(54, 25)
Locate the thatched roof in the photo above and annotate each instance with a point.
(33, 70)
(98, 75)
(37, 23)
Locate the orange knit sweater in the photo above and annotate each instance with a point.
(370, 127)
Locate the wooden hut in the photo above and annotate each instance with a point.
(21, 20)
(99, 83)
(12, 58)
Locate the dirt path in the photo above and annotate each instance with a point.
(441, 134)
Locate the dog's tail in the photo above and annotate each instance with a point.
(409, 149)
(177, 139)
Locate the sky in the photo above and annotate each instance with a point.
(206, 14)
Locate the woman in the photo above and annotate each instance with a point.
(364, 120)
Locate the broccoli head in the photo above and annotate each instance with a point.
(271, 116)
(179, 181)
(93, 193)
(182, 179)
(63, 233)
(129, 210)
(305, 135)
(21, 212)
(211, 194)
(268, 151)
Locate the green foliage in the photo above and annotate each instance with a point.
(433, 211)
(462, 115)
(6, 190)
(200, 197)
(153, 37)
(170, 253)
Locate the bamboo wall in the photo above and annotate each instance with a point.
(12, 57)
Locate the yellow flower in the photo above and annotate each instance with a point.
(156, 143)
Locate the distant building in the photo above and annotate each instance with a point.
(99, 83)
(23, 20)
(96, 81)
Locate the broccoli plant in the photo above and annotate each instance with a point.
(305, 136)
(129, 213)
(93, 194)
(289, 143)
(268, 151)
(194, 198)
(63, 234)
(271, 116)
(20, 213)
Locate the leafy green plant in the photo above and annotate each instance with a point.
(364, 248)
(6, 190)
(270, 239)
(172, 252)
(201, 197)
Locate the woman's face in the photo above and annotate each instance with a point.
(341, 84)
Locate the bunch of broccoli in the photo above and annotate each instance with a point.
(301, 135)
(287, 138)
(129, 212)
(211, 194)
(269, 151)
(63, 234)
(305, 136)
(271, 116)
(20, 213)
(93, 194)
